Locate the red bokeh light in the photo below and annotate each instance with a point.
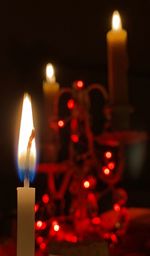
(75, 138)
(106, 171)
(36, 207)
(79, 84)
(45, 199)
(86, 184)
(111, 165)
(96, 221)
(55, 226)
(43, 246)
(70, 104)
(116, 207)
(39, 239)
(108, 154)
(61, 123)
(114, 238)
(40, 225)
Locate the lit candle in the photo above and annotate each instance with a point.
(26, 194)
(50, 89)
(117, 61)
(117, 69)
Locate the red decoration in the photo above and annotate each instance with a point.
(86, 184)
(70, 104)
(45, 198)
(79, 84)
(108, 154)
(75, 138)
(61, 123)
(106, 171)
(111, 165)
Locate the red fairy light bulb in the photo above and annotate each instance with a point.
(106, 171)
(61, 123)
(40, 225)
(43, 246)
(45, 199)
(79, 84)
(86, 184)
(70, 104)
(39, 239)
(114, 238)
(75, 138)
(108, 154)
(111, 165)
(56, 226)
(36, 207)
(96, 221)
(116, 207)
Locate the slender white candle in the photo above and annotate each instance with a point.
(26, 195)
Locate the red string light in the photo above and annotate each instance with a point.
(116, 207)
(36, 207)
(106, 171)
(43, 246)
(40, 225)
(108, 154)
(56, 226)
(39, 239)
(86, 184)
(79, 84)
(96, 221)
(75, 138)
(45, 199)
(111, 165)
(61, 123)
(70, 104)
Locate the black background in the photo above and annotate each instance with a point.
(71, 34)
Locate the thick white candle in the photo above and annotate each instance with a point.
(26, 195)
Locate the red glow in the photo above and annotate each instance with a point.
(40, 225)
(61, 123)
(114, 238)
(56, 226)
(75, 138)
(108, 154)
(43, 246)
(111, 165)
(39, 239)
(86, 184)
(45, 199)
(70, 104)
(80, 84)
(117, 207)
(96, 221)
(36, 207)
(106, 171)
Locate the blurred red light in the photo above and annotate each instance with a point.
(106, 171)
(117, 207)
(40, 225)
(108, 154)
(70, 104)
(45, 199)
(111, 165)
(36, 207)
(55, 226)
(80, 84)
(43, 246)
(96, 221)
(86, 184)
(61, 123)
(75, 138)
(114, 238)
(39, 239)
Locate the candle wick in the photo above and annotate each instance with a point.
(26, 179)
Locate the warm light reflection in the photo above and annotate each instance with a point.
(26, 153)
(50, 73)
(116, 21)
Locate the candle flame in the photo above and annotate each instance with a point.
(116, 21)
(50, 73)
(26, 144)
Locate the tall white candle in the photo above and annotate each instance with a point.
(26, 195)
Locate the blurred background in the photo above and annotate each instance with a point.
(71, 35)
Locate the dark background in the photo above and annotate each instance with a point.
(72, 35)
